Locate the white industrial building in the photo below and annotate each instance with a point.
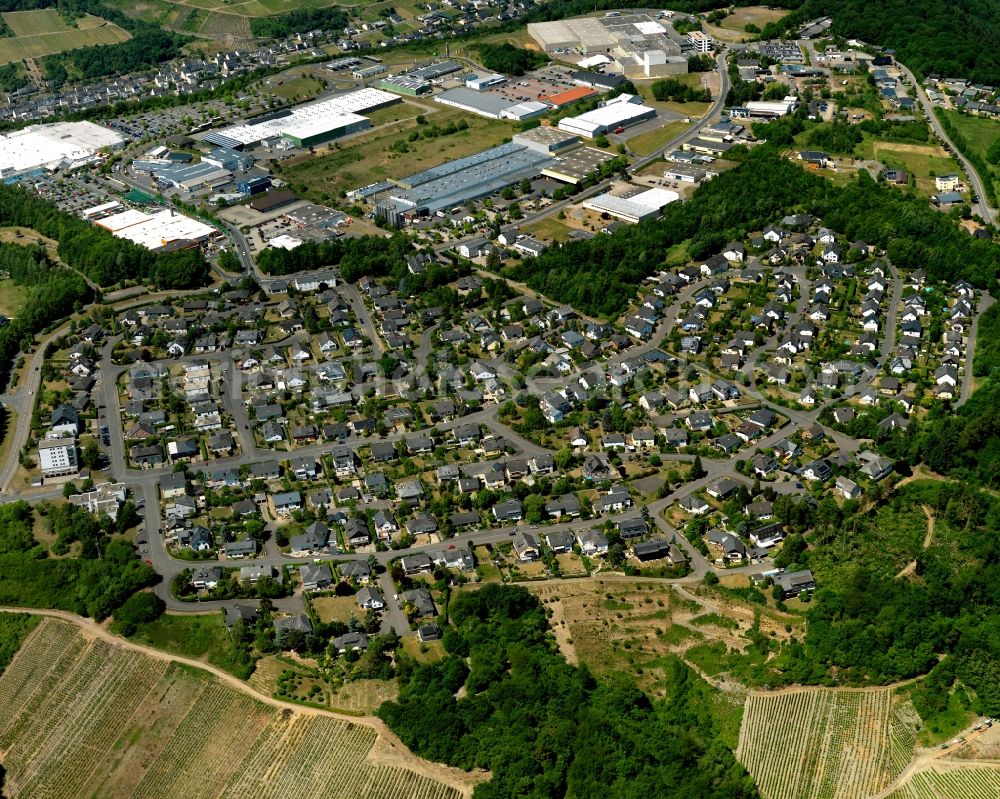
(522, 111)
(166, 228)
(637, 208)
(60, 145)
(480, 83)
(702, 41)
(622, 112)
(57, 456)
(308, 124)
(767, 109)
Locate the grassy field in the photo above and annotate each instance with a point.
(336, 608)
(692, 79)
(11, 298)
(751, 15)
(646, 143)
(83, 717)
(368, 159)
(547, 230)
(836, 744)
(296, 89)
(45, 32)
(203, 637)
(923, 161)
(979, 133)
(363, 696)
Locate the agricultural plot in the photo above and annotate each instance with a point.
(86, 717)
(950, 782)
(217, 24)
(823, 743)
(45, 32)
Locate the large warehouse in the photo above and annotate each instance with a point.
(637, 208)
(308, 125)
(485, 105)
(622, 112)
(456, 182)
(61, 145)
(163, 229)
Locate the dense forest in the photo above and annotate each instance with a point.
(356, 257)
(929, 37)
(508, 59)
(544, 728)
(96, 253)
(102, 575)
(301, 20)
(868, 624)
(600, 275)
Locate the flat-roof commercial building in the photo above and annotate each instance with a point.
(621, 112)
(269, 200)
(165, 229)
(585, 34)
(187, 177)
(637, 208)
(765, 109)
(574, 166)
(485, 105)
(456, 182)
(254, 186)
(546, 140)
(405, 84)
(315, 216)
(434, 72)
(522, 111)
(480, 83)
(597, 80)
(57, 456)
(560, 99)
(308, 125)
(61, 145)
(701, 41)
(685, 173)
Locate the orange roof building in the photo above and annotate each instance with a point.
(570, 96)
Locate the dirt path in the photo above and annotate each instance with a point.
(388, 749)
(911, 567)
(930, 526)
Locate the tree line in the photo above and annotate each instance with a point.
(508, 59)
(600, 275)
(673, 89)
(301, 20)
(105, 573)
(544, 728)
(54, 292)
(374, 256)
(95, 252)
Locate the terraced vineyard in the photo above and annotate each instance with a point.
(85, 717)
(819, 744)
(44, 32)
(951, 782)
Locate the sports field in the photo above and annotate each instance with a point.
(45, 32)
(85, 716)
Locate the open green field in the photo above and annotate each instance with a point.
(369, 159)
(297, 89)
(548, 229)
(45, 32)
(979, 133)
(751, 15)
(202, 637)
(646, 143)
(11, 298)
(86, 717)
(920, 160)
